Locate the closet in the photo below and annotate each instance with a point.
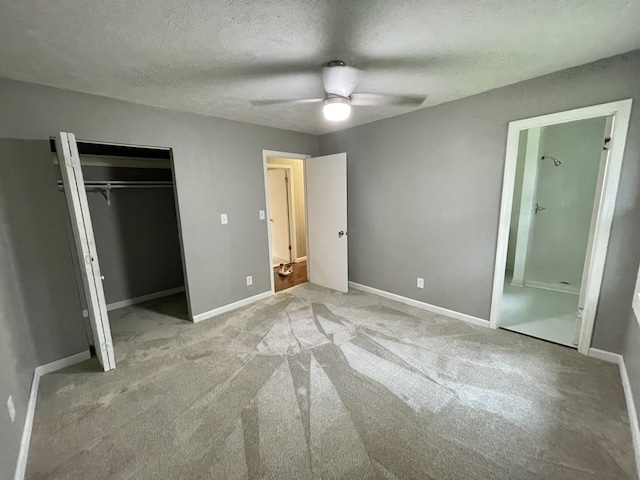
(131, 201)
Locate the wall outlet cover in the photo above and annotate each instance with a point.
(261, 215)
(420, 282)
(11, 408)
(223, 219)
(249, 280)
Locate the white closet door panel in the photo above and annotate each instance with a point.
(85, 244)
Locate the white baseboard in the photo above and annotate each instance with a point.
(633, 414)
(628, 394)
(301, 259)
(143, 298)
(424, 306)
(21, 466)
(606, 356)
(232, 306)
(556, 287)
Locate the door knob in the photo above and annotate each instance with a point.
(538, 208)
(340, 233)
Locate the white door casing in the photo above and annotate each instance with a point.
(73, 181)
(279, 213)
(621, 110)
(582, 299)
(326, 203)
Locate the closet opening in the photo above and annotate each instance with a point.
(133, 218)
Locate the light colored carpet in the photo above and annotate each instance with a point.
(318, 384)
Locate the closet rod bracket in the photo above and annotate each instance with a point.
(106, 193)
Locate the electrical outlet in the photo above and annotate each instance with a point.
(420, 283)
(12, 409)
(261, 215)
(249, 280)
(223, 219)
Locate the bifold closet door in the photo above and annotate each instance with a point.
(85, 244)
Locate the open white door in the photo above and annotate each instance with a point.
(326, 186)
(76, 195)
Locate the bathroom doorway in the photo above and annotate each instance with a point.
(560, 184)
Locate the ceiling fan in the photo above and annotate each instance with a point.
(340, 82)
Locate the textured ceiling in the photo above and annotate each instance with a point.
(213, 57)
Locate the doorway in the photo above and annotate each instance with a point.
(306, 215)
(124, 227)
(561, 177)
(287, 220)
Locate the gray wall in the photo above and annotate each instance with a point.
(218, 168)
(137, 242)
(425, 187)
(40, 316)
(17, 357)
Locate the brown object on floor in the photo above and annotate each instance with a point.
(298, 276)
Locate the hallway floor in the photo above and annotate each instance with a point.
(540, 313)
(298, 277)
(313, 383)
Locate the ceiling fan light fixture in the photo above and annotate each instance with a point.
(336, 109)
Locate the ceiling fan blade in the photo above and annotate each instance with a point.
(377, 99)
(262, 103)
(341, 80)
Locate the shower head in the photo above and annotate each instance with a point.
(556, 162)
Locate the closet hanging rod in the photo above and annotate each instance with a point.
(124, 184)
(105, 186)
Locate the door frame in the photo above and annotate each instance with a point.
(292, 221)
(172, 165)
(294, 156)
(176, 202)
(621, 111)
